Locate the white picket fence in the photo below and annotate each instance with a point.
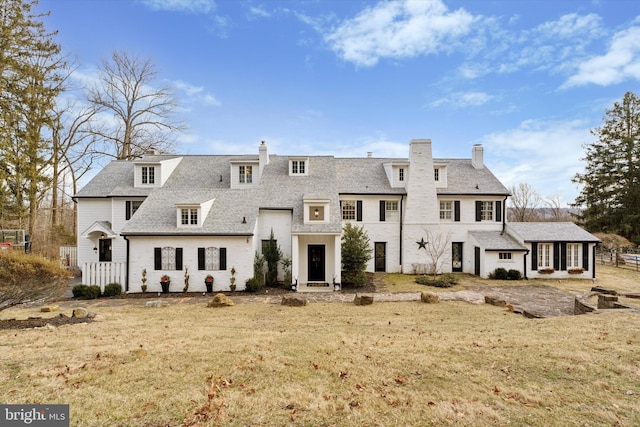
(103, 273)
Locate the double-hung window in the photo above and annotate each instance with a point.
(486, 211)
(189, 216)
(446, 210)
(348, 210)
(148, 175)
(391, 210)
(245, 174)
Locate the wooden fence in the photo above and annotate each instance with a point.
(103, 273)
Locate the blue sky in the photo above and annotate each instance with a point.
(527, 79)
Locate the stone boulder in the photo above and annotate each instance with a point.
(363, 299)
(155, 304)
(220, 300)
(490, 299)
(294, 300)
(49, 308)
(80, 313)
(429, 297)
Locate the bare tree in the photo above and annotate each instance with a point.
(436, 246)
(524, 202)
(557, 212)
(143, 114)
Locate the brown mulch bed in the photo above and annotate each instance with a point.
(39, 322)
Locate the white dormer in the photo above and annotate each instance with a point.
(245, 173)
(316, 210)
(192, 214)
(397, 174)
(298, 166)
(440, 174)
(153, 174)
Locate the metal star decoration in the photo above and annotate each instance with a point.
(422, 244)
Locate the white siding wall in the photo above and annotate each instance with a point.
(240, 255)
(280, 222)
(90, 211)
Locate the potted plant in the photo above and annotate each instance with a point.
(233, 279)
(144, 280)
(165, 282)
(208, 281)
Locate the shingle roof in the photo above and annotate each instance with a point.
(550, 232)
(497, 241)
(364, 176)
(463, 178)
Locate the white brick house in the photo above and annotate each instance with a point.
(209, 213)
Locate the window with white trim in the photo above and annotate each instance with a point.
(189, 216)
(211, 258)
(573, 255)
(504, 256)
(391, 210)
(245, 174)
(544, 255)
(436, 174)
(348, 210)
(446, 210)
(486, 211)
(298, 167)
(401, 174)
(148, 175)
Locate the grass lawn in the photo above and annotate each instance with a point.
(388, 364)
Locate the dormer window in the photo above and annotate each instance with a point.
(245, 174)
(189, 216)
(316, 213)
(299, 167)
(148, 174)
(436, 174)
(401, 174)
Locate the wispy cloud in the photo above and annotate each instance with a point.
(191, 6)
(463, 100)
(196, 93)
(621, 62)
(399, 29)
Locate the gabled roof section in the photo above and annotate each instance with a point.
(550, 232)
(464, 179)
(102, 227)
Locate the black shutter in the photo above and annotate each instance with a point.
(200, 258)
(157, 258)
(585, 256)
(127, 210)
(563, 256)
(534, 256)
(498, 211)
(556, 256)
(478, 211)
(456, 210)
(178, 258)
(223, 258)
(358, 210)
(383, 209)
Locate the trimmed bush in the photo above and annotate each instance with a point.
(514, 275)
(112, 289)
(354, 278)
(442, 281)
(86, 292)
(252, 285)
(499, 274)
(79, 291)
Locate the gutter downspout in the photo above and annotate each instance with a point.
(126, 273)
(401, 222)
(504, 214)
(525, 264)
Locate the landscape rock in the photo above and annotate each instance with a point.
(99, 318)
(363, 299)
(429, 297)
(294, 300)
(49, 308)
(489, 299)
(80, 313)
(220, 300)
(156, 304)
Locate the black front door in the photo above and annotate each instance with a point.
(456, 256)
(380, 256)
(315, 258)
(105, 250)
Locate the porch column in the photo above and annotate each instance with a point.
(337, 266)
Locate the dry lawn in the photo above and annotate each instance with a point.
(389, 364)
